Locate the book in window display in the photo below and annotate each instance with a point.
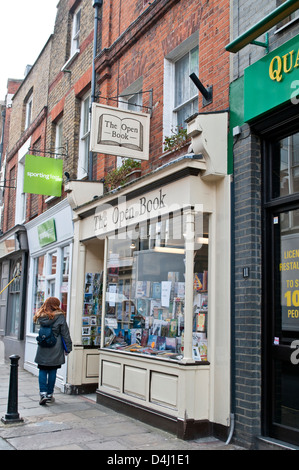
(153, 309)
(92, 309)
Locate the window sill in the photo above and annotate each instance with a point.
(70, 61)
(50, 199)
(154, 357)
(287, 25)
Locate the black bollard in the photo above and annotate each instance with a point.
(12, 415)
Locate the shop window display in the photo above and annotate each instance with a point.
(145, 291)
(92, 309)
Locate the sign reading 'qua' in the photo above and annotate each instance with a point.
(116, 131)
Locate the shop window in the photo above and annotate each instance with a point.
(39, 294)
(285, 173)
(92, 309)
(51, 278)
(14, 316)
(145, 304)
(65, 277)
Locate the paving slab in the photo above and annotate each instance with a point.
(77, 422)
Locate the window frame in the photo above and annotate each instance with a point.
(58, 137)
(76, 32)
(84, 136)
(28, 111)
(170, 60)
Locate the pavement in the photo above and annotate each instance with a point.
(77, 422)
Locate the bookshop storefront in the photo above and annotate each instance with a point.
(151, 271)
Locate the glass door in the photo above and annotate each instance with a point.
(285, 327)
(281, 282)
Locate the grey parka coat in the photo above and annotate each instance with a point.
(54, 357)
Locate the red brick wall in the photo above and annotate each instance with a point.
(148, 34)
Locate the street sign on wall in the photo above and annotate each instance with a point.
(43, 175)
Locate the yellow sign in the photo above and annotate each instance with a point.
(280, 65)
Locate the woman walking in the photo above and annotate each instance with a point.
(48, 357)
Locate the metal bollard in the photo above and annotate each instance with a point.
(12, 415)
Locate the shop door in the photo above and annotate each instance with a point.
(284, 356)
(281, 289)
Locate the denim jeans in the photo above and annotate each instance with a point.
(47, 379)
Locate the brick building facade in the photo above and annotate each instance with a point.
(264, 382)
(146, 52)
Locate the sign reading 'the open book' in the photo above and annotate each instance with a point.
(115, 131)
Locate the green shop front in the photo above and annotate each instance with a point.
(270, 93)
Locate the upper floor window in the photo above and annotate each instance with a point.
(131, 97)
(186, 93)
(289, 19)
(180, 93)
(84, 137)
(76, 32)
(28, 111)
(58, 137)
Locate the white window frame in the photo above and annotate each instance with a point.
(169, 111)
(84, 136)
(28, 115)
(76, 32)
(128, 99)
(58, 137)
(21, 197)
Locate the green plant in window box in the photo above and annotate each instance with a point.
(117, 177)
(177, 139)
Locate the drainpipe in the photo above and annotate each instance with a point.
(96, 5)
(2, 136)
(233, 361)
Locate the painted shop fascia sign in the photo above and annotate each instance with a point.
(47, 232)
(116, 131)
(43, 175)
(272, 81)
(126, 215)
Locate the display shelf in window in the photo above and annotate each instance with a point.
(92, 309)
(146, 293)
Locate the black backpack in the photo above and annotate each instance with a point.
(46, 337)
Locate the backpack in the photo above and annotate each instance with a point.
(46, 337)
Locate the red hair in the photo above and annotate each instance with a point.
(49, 309)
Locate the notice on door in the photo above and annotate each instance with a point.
(289, 270)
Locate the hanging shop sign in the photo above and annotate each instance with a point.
(272, 81)
(43, 175)
(47, 232)
(119, 132)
